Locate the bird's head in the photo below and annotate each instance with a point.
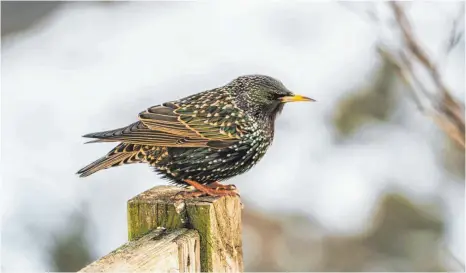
(263, 96)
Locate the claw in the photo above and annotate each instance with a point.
(188, 194)
(218, 186)
(214, 189)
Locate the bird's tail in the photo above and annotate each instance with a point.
(124, 153)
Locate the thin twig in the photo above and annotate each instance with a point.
(404, 58)
(455, 35)
(450, 111)
(404, 75)
(445, 111)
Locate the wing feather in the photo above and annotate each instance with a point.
(203, 120)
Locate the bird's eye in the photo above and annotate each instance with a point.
(277, 96)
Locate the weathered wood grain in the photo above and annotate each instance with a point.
(153, 208)
(177, 250)
(218, 221)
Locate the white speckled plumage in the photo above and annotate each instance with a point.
(207, 137)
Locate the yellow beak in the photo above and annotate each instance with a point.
(295, 98)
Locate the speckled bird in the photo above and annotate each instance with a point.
(202, 139)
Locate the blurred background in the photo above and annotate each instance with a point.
(369, 178)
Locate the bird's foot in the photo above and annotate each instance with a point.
(214, 189)
(188, 194)
(217, 186)
(222, 192)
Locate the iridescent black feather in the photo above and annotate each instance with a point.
(207, 137)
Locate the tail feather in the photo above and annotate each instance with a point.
(103, 163)
(98, 141)
(117, 156)
(112, 135)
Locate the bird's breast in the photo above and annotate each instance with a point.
(207, 165)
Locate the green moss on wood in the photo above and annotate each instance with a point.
(200, 217)
(144, 217)
(217, 220)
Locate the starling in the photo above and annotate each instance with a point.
(202, 139)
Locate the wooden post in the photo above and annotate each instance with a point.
(159, 250)
(218, 221)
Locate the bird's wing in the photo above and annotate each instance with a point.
(202, 121)
(214, 122)
(138, 133)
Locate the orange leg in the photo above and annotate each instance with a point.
(216, 185)
(213, 189)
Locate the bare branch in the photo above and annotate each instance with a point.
(408, 36)
(404, 74)
(455, 35)
(434, 101)
(449, 116)
(404, 58)
(438, 103)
